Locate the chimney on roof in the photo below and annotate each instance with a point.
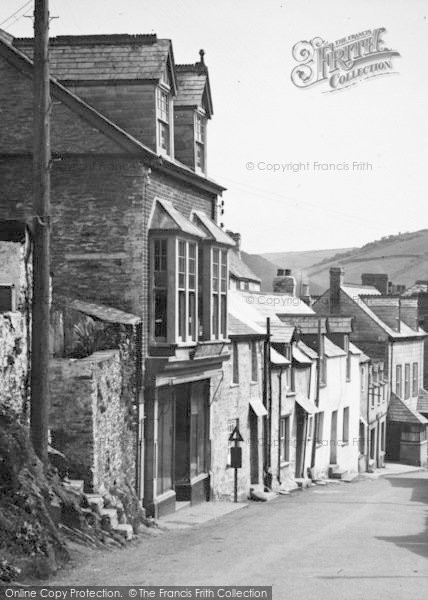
(237, 239)
(305, 295)
(409, 312)
(377, 280)
(337, 275)
(284, 282)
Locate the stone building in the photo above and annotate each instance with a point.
(133, 224)
(387, 330)
(15, 317)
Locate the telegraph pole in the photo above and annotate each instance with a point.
(41, 233)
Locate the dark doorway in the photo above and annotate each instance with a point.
(393, 437)
(301, 423)
(254, 447)
(191, 459)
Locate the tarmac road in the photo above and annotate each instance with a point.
(366, 539)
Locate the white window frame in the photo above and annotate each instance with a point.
(186, 290)
(219, 273)
(164, 120)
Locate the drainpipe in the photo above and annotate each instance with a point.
(317, 397)
(265, 402)
(138, 388)
(269, 392)
(279, 424)
(368, 423)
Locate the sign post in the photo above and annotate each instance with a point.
(236, 458)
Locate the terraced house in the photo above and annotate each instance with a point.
(134, 226)
(386, 328)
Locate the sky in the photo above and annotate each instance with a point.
(261, 117)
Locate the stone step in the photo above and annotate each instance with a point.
(95, 501)
(303, 482)
(181, 505)
(335, 472)
(125, 530)
(76, 484)
(109, 518)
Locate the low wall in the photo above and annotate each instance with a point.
(13, 361)
(91, 418)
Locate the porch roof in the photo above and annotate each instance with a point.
(423, 401)
(400, 412)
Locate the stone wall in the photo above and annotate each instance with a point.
(91, 418)
(13, 361)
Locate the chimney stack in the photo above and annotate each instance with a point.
(305, 295)
(236, 237)
(336, 281)
(284, 282)
(377, 280)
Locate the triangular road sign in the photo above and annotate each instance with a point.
(236, 436)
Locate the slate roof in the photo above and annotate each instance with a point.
(104, 313)
(167, 218)
(281, 333)
(276, 358)
(236, 327)
(239, 269)
(105, 57)
(193, 87)
(355, 291)
(212, 230)
(270, 305)
(112, 131)
(300, 356)
(339, 324)
(423, 401)
(331, 350)
(310, 352)
(249, 313)
(400, 412)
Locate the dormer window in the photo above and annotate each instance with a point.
(163, 114)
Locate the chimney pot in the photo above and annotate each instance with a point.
(284, 282)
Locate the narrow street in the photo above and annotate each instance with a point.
(365, 539)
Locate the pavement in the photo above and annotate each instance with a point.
(367, 539)
(199, 514)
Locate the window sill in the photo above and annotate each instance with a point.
(290, 394)
(254, 382)
(285, 463)
(323, 385)
(234, 385)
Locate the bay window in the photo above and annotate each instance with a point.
(174, 280)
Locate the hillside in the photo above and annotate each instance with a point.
(301, 260)
(404, 257)
(266, 265)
